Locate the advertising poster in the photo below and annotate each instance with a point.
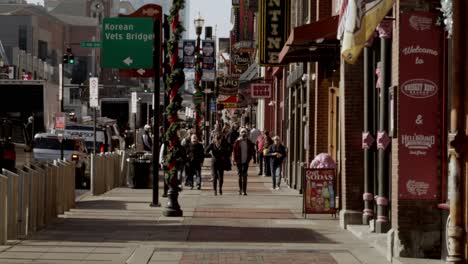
(189, 54)
(319, 194)
(419, 106)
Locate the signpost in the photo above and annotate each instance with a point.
(94, 103)
(60, 123)
(127, 43)
(91, 44)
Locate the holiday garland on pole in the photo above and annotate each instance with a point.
(175, 80)
(198, 93)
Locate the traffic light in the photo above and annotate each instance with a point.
(68, 57)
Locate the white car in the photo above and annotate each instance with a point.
(46, 147)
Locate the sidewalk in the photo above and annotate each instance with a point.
(264, 227)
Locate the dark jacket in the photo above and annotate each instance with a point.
(218, 154)
(237, 151)
(195, 153)
(275, 161)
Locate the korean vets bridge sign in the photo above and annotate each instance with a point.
(127, 43)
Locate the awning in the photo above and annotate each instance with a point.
(250, 74)
(312, 42)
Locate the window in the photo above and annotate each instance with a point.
(42, 50)
(22, 38)
(305, 11)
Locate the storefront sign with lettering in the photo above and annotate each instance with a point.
(419, 106)
(274, 24)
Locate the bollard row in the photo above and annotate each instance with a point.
(33, 197)
(106, 172)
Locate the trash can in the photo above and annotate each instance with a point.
(140, 172)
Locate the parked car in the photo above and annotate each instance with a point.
(47, 148)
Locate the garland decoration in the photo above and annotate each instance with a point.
(175, 78)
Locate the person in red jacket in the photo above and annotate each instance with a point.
(242, 154)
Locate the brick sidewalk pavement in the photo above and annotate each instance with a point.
(264, 227)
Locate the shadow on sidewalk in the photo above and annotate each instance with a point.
(113, 230)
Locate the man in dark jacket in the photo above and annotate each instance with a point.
(196, 156)
(243, 153)
(277, 153)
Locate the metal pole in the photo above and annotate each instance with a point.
(94, 131)
(457, 137)
(157, 70)
(383, 225)
(207, 116)
(367, 196)
(62, 84)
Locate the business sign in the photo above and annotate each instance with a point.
(189, 54)
(228, 101)
(274, 25)
(94, 92)
(155, 13)
(319, 195)
(260, 90)
(419, 106)
(208, 66)
(227, 85)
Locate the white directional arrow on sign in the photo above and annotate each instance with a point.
(128, 61)
(141, 71)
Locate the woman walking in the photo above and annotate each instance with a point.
(218, 149)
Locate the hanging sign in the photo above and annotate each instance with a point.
(227, 85)
(208, 67)
(260, 90)
(419, 106)
(274, 25)
(189, 54)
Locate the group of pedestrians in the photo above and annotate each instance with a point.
(232, 146)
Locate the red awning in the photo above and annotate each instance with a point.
(312, 42)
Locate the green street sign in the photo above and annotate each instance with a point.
(127, 43)
(90, 44)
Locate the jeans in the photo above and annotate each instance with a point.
(217, 171)
(276, 171)
(260, 163)
(242, 172)
(267, 166)
(194, 176)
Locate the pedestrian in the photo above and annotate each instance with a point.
(267, 141)
(195, 156)
(146, 138)
(254, 132)
(259, 148)
(218, 149)
(242, 154)
(277, 153)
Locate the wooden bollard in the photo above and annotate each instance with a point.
(23, 202)
(3, 209)
(12, 197)
(33, 197)
(40, 202)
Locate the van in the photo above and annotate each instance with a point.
(47, 147)
(87, 133)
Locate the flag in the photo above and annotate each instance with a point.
(358, 21)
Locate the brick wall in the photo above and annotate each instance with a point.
(324, 9)
(351, 123)
(321, 111)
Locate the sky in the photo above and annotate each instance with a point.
(215, 12)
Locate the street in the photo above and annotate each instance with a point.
(264, 227)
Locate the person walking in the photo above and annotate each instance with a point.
(267, 142)
(277, 153)
(196, 156)
(146, 138)
(254, 132)
(259, 147)
(218, 149)
(242, 154)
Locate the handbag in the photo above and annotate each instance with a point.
(265, 151)
(227, 165)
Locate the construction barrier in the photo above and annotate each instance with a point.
(33, 197)
(106, 172)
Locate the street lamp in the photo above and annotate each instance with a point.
(207, 93)
(199, 22)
